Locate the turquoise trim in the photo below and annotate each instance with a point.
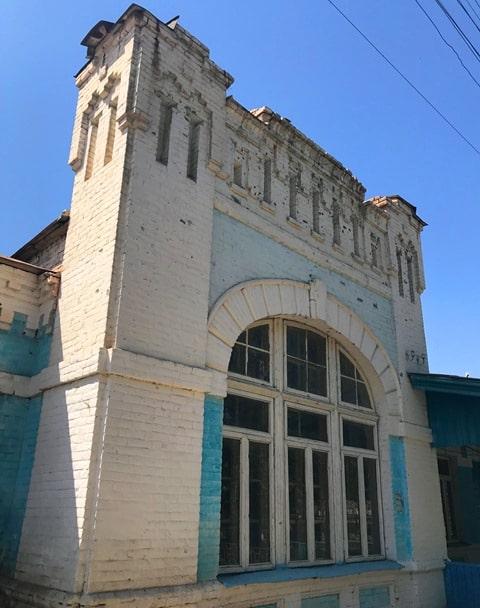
(401, 507)
(323, 601)
(283, 574)
(210, 489)
(264, 258)
(441, 383)
(19, 421)
(24, 352)
(375, 597)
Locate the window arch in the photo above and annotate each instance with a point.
(300, 472)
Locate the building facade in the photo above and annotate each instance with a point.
(204, 384)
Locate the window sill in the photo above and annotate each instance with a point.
(283, 574)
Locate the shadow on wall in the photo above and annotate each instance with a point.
(49, 545)
(39, 538)
(19, 418)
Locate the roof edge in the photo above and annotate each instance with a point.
(26, 267)
(31, 246)
(444, 383)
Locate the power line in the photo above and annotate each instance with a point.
(461, 33)
(447, 43)
(468, 14)
(409, 82)
(473, 9)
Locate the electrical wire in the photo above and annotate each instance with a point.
(459, 30)
(409, 82)
(473, 9)
(468, 14)
(447, 43)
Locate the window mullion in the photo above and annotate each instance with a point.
(332, 367)
(337, 500)
(363, 511)
(280, 482)
(244, 503)
(280, 512)
(310, 507)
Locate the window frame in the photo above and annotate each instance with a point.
(245, 436)
(295, 391)
(309, 446)
(360, 454)
(245, 378)
(341, 402)
(281, 398)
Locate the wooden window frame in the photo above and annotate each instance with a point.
(280, 398)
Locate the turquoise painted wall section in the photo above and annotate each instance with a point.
(468, 504)
(21, 352)
(240, 253)
(375, 597)
(19, 420)
(401, 508)
(324, 601)
(210, 489)
(455, 419)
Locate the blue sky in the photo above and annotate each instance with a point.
(304, 61)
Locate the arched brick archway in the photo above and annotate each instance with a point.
(251, 301)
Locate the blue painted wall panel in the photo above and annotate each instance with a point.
(324, 601)
(375, 597)
(21, 352)
(401, 508)
(462, 585)
(19, 420)
(455, 419)
(259, 257)
(210, 489)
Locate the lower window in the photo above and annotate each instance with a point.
(245, 514)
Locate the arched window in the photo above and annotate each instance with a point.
(300, 471)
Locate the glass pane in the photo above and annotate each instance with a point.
(296, 342)
(230, 512)
(307, 425)
(259, 503)
(297, 501)
(238, 359)
(317, 380)
(371, 506)
(320, 505)
(357, 435)
(346, 366)
(362, 395)
(258, 336)
(245, 413)
(242, 337)
(443, 466)
(349, 394)
(296, 374)
(316, 348)
(353, 507)
(258, 364)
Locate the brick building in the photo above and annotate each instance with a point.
(204, 389)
